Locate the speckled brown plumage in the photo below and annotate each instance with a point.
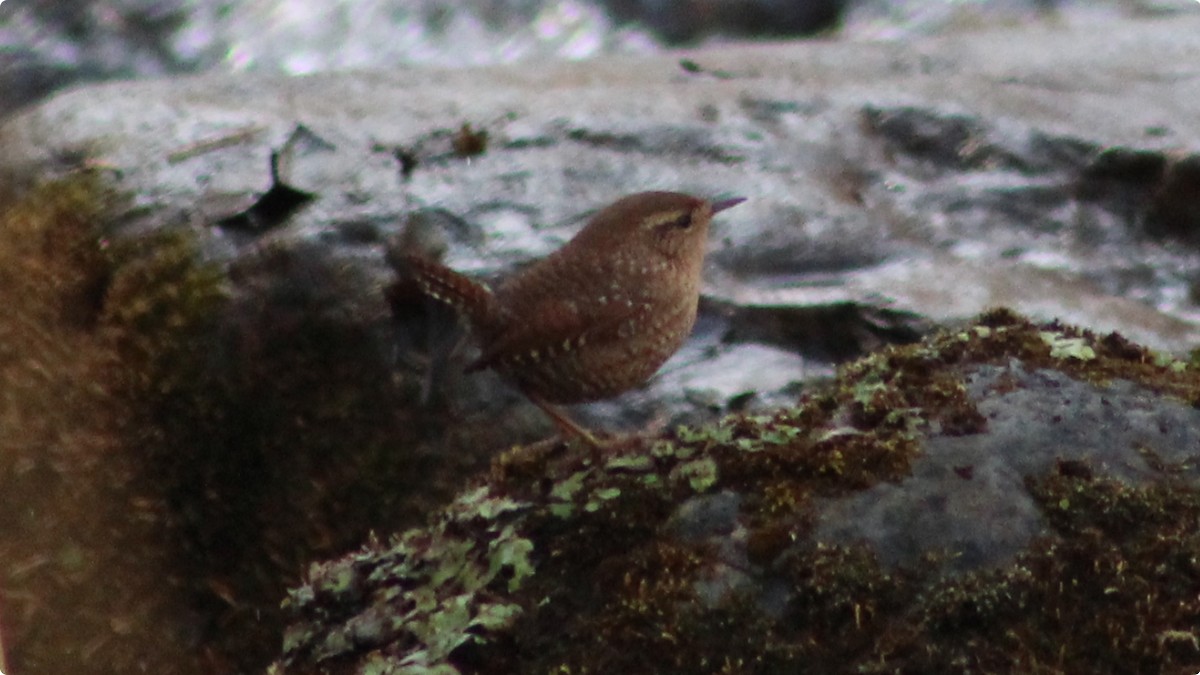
(598, 316)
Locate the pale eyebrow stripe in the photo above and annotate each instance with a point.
(660, 218)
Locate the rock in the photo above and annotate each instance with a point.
(932, 180)
(276, 400)
(1038, 422)
(56, 43)
(1005, 494)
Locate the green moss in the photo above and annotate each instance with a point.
(1117, 584)
(65, 471)
(54, 265)
(842, 600)
(642, 617)
(846, 609)
(1081, 353)
(160, 316)
(637, 464)
(699, 474)
(1064, 347)
(445, 591)
(1114, 581)
(268, 434)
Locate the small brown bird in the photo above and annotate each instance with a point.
(596, 317)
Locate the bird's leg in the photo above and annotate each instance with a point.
(566, 425)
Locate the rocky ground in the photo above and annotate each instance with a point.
(213, 384)
(1005, 498)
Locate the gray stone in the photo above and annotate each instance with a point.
(966, 495)
(929, 179)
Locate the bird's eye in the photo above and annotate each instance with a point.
(670, 221)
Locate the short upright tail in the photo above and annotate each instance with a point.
(441, 283)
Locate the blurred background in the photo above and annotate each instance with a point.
(154, 524)
(48, 44)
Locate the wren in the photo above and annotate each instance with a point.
(598, 316)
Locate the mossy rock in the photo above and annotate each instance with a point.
(183, 432)
(713, 549)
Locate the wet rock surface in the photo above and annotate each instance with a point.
(916, 181)
(276, 400)
(49, 44)
(967, 493)
(1001, 496)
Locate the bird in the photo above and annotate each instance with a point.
(598, 316)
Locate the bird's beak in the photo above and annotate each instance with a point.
(717, 207)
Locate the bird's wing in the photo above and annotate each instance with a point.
(555, 327)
